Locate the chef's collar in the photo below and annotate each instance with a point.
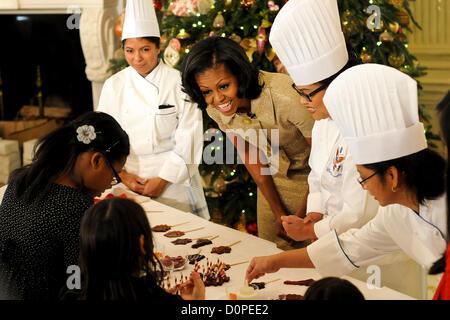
(154, 77)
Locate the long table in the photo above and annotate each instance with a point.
(249, 246)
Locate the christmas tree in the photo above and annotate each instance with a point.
(375, 29)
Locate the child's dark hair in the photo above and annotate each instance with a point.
(110, 252)
(332, 288)
(211, 52)
(424, 173)
(57, 152)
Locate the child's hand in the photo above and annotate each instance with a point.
(194, 289)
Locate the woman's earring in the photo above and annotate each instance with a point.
(394, 189)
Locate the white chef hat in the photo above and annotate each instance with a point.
(140, 20)
(307, 37)
(376, 110)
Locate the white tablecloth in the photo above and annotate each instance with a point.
(250, 246)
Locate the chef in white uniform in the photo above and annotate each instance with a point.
(307, 37)
(375, 107)
(165, 130)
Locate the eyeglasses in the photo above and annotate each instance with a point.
(362, 181)
(116, 178)
(306, 95)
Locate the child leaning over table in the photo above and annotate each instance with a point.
(117, 260)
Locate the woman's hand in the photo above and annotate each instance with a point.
(259, 266)
(133, 182)
(194, 289)
(298, 229)
(313, 217)
(154, 187)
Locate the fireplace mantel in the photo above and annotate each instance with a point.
(97, 19)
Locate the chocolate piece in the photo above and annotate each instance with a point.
(306, 282)
(174, 234)
(258, 285)
(161, 228)
(218, 281)
(221, 249)
(290, 296)
(182, 241)
(193, 258)
(201, 243)
(178, 262)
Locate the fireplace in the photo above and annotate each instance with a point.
(69, 42)
(42, 42)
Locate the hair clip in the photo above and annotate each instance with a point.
(86, 134)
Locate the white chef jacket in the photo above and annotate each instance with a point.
(165, 142)
(421, 236)
(334, 190)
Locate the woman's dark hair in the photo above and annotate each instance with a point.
(444, 115)
(353, 60)
(211, 52)
(57, 152)
(154, 40)
(110, 251)
(332, 288)
(423, 171)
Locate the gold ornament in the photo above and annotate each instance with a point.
(183, 35)
(219, 185)
(227, 3)
(403, 17)
(386, 37)
(249, 45)
(396, 61)
(247, 3)
(235, 38)
(394, 27)
(219, 21)
(266, 24)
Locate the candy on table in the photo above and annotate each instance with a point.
(307, 282)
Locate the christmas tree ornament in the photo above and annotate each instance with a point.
(247, 4)
(235, 38)
(184, 8)
(119, 26)
(261, 40)
(228, 3)
(365, 56)
(183, 35)
(396, 60)
(163, 40)
(219, 21)
(403, 17)
(266, 24)
(172, 52)
(158, 5)
(272, 6)
(249, 45)
(397, 3)
(394, 27)
(386, 37)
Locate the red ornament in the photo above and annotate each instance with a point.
(158, 4)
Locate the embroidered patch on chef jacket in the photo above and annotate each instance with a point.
(338, 165)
